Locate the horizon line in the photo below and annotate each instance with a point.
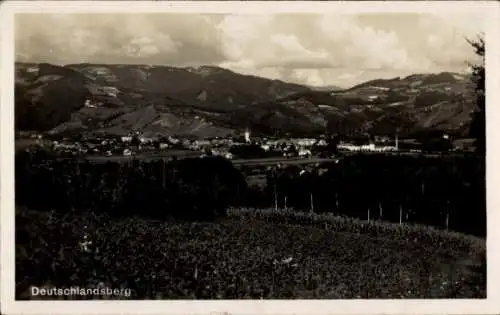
(465, 72)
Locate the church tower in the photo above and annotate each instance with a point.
(247, 136)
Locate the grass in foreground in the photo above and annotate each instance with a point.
(251, 254)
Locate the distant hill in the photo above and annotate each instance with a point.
(210, 101)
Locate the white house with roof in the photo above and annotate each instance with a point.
(266, 147)
(163, 146)
(322, 143)
(146, 140)
(89, 104)
(173, 140)
(304, 153)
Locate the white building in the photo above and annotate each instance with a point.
(304, 153)
(305, 142)
(265, 147)
(89, 104)
(349, 147)
(321, 142)
(366, 148)
(145, 140)
(173, 140)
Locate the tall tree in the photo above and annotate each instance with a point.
(478, 128)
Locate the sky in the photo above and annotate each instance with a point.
(312, 49)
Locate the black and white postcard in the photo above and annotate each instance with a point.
(250, 157)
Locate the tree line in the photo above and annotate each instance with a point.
(447, 192)
(193, 189)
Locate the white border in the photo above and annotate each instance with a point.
(490, 10)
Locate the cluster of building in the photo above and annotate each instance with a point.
(381, 145)
(366, 148)
(135, 143)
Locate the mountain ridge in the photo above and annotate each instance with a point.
(210, 101)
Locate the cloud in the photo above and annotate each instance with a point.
(304, 48)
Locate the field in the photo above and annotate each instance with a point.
(249, 254)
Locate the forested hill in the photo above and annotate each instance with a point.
(210, 101)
